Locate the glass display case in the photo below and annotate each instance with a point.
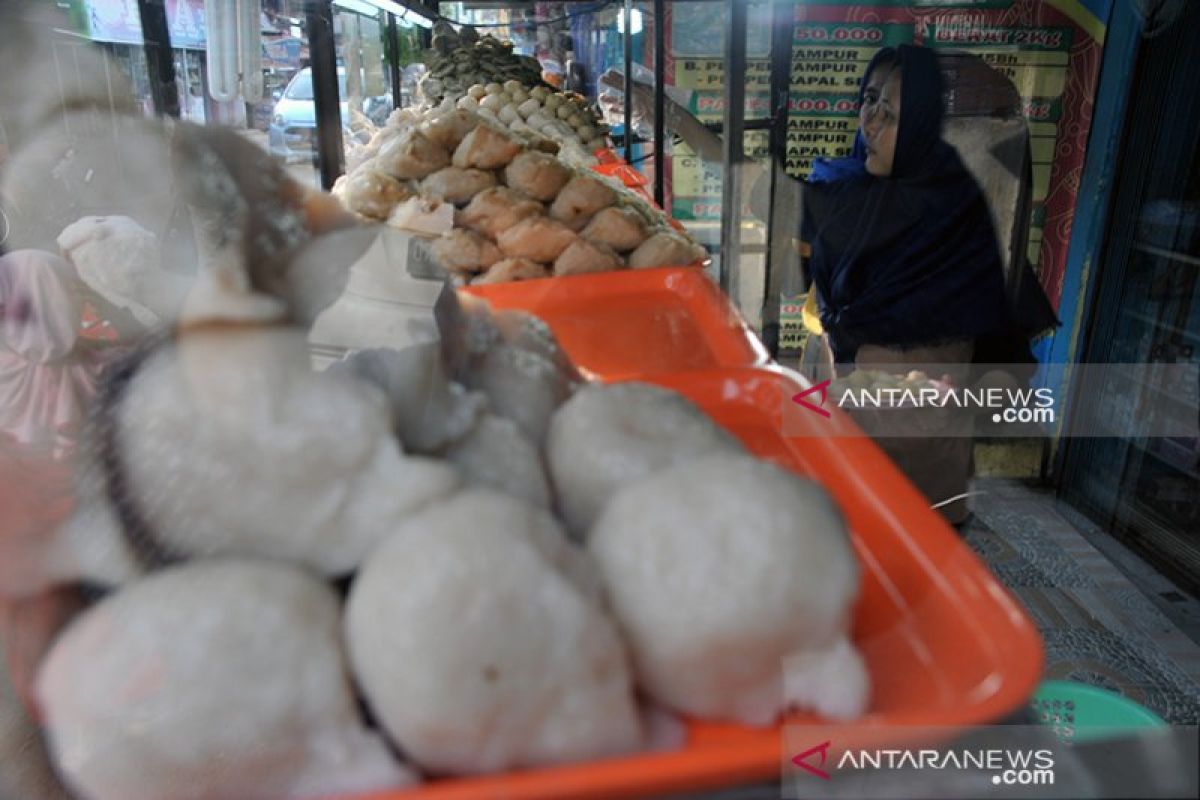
(1144, 487)
(795, 100)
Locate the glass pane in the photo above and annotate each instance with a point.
(696, 79)
(1149, 312)
(287, 114)
(583, 47)
(410, 55)
(364, 80)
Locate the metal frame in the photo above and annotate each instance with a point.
(734, 150)
(156, 42)
(628, 42)
(322, 52)
(322, 49)
(323, 59)
(660, 105)
(780, 258)
(1077, 301)
(1145, 145)
(394, 61)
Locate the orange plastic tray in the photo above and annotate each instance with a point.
(631, 323)
(945, 644)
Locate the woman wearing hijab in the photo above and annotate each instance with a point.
(904, 253)
(906, 267)
(46, 380)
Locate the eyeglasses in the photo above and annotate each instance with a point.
(871, 107)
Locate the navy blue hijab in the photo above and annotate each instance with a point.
(910, 259)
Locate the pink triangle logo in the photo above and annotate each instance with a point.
(822, 388)
(801, 760)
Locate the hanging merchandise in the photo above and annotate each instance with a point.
(234, 50)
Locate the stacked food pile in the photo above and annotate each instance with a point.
(461, 58)
(565, 117)
(503, 204)
(497, 164)
(485, 75)
(530, 566)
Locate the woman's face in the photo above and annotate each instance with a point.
(879, 119)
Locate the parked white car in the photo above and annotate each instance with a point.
(293, 129)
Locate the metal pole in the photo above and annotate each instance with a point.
(156, 41)
(660, 106)
(394, 61)
(628, 80)
(780, 258)
(735, 110)
(322, 51)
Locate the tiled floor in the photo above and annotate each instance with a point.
(1098, 626)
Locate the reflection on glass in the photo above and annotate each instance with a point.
(364, 79)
